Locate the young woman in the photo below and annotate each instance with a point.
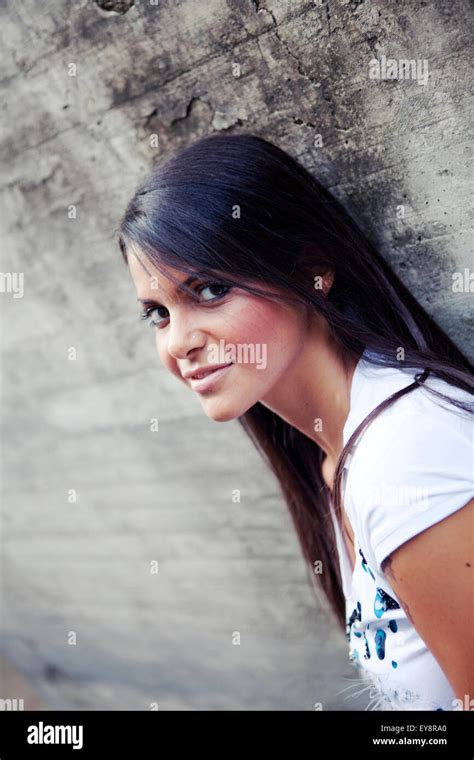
(270, 303)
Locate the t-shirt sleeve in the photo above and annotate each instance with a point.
(416, 471)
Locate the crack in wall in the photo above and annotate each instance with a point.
(328, 17)
(301, 70)
(285, 44)
(116, 6)
(191, 104)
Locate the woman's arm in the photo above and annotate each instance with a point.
(432, 576)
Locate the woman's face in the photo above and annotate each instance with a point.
(255, 338)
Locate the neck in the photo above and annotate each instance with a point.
(314, 394)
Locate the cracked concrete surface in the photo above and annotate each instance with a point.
(116, 6)
(84, 87)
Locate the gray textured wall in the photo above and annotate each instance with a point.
(83, 90)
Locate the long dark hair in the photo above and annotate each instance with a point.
(240, 207)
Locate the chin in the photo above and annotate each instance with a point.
(222, 412)
(220, 415)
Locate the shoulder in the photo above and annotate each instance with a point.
(413, 467)
(374, 384)
(417, 427)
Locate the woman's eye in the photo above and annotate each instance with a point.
(213, 286)
(156, 321)
(147, 316)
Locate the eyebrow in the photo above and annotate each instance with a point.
(189, 281)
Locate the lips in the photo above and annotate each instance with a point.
(205, 380)
(207, 372)
(204, 371)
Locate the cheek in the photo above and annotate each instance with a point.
(272, 324)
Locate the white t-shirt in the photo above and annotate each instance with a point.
(412, 467)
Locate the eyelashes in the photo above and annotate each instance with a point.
(205, 285)
(147, 314)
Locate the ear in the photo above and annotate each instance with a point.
(313, 264)
(327, 281)
(323, 281)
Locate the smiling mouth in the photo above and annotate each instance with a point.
(200, 375)
(204, 381)
(203, 374)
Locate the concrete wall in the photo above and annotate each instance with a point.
(84, 89)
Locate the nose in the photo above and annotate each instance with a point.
(183, 338)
